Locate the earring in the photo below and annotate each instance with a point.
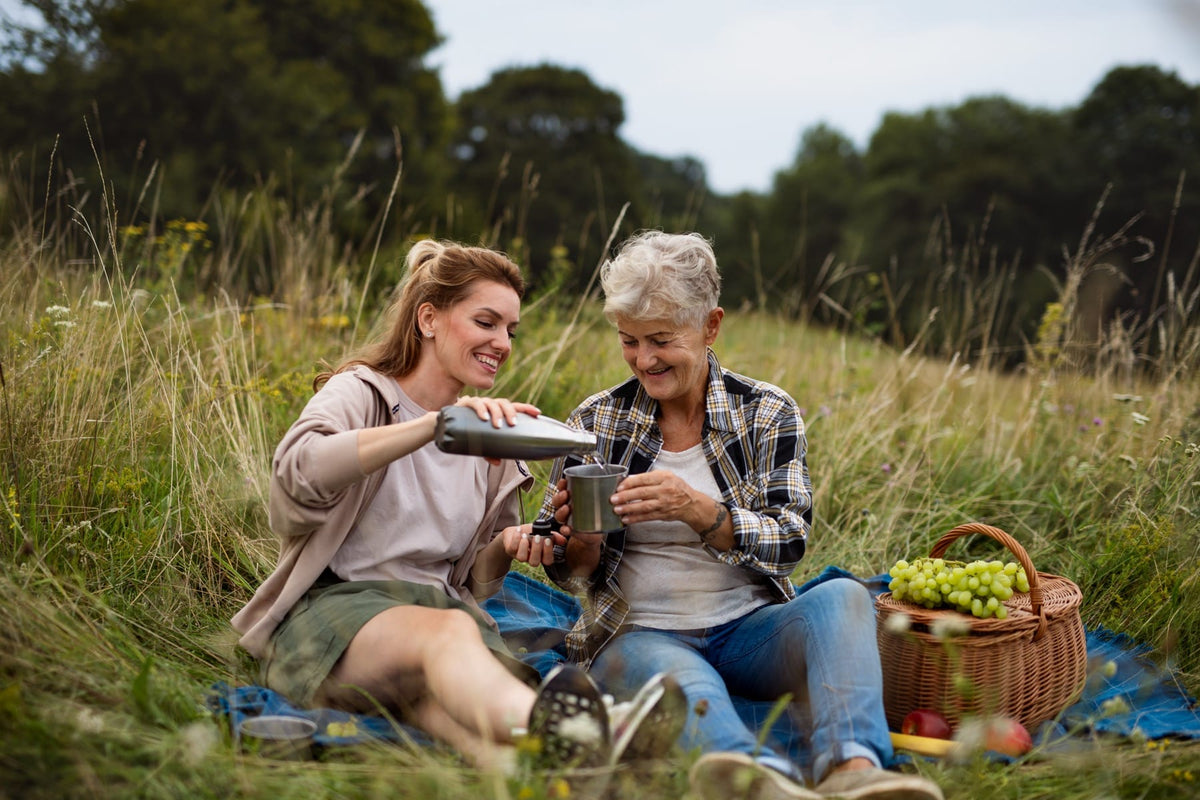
(428, 334)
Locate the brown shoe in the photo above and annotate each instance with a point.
(737, 776)
(877, 784)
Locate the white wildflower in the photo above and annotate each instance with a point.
(101, 304)
(88, 721)
(971, 736)
(199, 739)
(1114, 706)
(57, 311)
(1139, 419)
(64, 323)
(949, 626)
(898, 623)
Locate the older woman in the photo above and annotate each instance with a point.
(717, 506)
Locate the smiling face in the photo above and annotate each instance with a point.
(473, 337)
(669, 359)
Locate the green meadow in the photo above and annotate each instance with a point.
(142, 397)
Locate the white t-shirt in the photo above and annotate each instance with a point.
(669, 578)
(416, 526)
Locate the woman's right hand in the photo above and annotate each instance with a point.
(497, 409)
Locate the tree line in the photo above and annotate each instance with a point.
(956, 227)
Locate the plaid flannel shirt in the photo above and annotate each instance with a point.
(754, 441)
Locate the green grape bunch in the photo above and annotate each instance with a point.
(978, 588)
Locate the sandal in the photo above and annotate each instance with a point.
(650, 724)
(570, 721)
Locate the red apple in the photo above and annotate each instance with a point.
(924, 722)
(1006, 735)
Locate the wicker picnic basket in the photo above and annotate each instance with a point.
(1029, 666)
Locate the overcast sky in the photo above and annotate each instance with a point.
(736, 83)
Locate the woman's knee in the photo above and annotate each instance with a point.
(402, 639)
(395, 647)
(450, 624)
(824, 614)
(843, 593)
(633, 658)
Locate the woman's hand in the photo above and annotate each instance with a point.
(536, 551)
(583, 549)
(658, 495)
(664, 496)
(497, 409)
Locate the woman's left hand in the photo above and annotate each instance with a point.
(658, 495)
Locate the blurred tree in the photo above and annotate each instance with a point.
(676, 192)
(954, 195)
(1140, 129)
(805, 215)
(539, 163)
(737, 232)
(228, 92)
(376, 50)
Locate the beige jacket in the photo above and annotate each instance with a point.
(318, 491)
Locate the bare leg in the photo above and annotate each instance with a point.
(483, 753)
(409, 657)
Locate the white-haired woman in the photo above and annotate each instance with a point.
(716, 507)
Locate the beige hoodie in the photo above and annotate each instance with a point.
(318, 491)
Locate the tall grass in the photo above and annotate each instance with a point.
(141, 402)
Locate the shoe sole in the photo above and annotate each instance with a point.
(569, 718)
(655, 724)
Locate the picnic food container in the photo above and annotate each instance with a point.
(1028, 666)
(278, 736)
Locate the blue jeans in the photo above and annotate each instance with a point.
(819, 647)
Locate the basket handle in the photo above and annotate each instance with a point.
(1035, 588)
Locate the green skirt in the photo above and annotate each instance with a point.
(315, 633)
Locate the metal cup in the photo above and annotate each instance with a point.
(591, 485)
(278, 736)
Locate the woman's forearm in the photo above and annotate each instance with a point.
(715, 524)
(380, 446)
(490, 567)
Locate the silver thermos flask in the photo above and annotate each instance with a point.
(460, 430)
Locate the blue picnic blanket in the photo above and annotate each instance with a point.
(1142, 697)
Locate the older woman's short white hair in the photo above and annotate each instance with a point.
(657, 275)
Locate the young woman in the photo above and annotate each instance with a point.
(388, 544)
